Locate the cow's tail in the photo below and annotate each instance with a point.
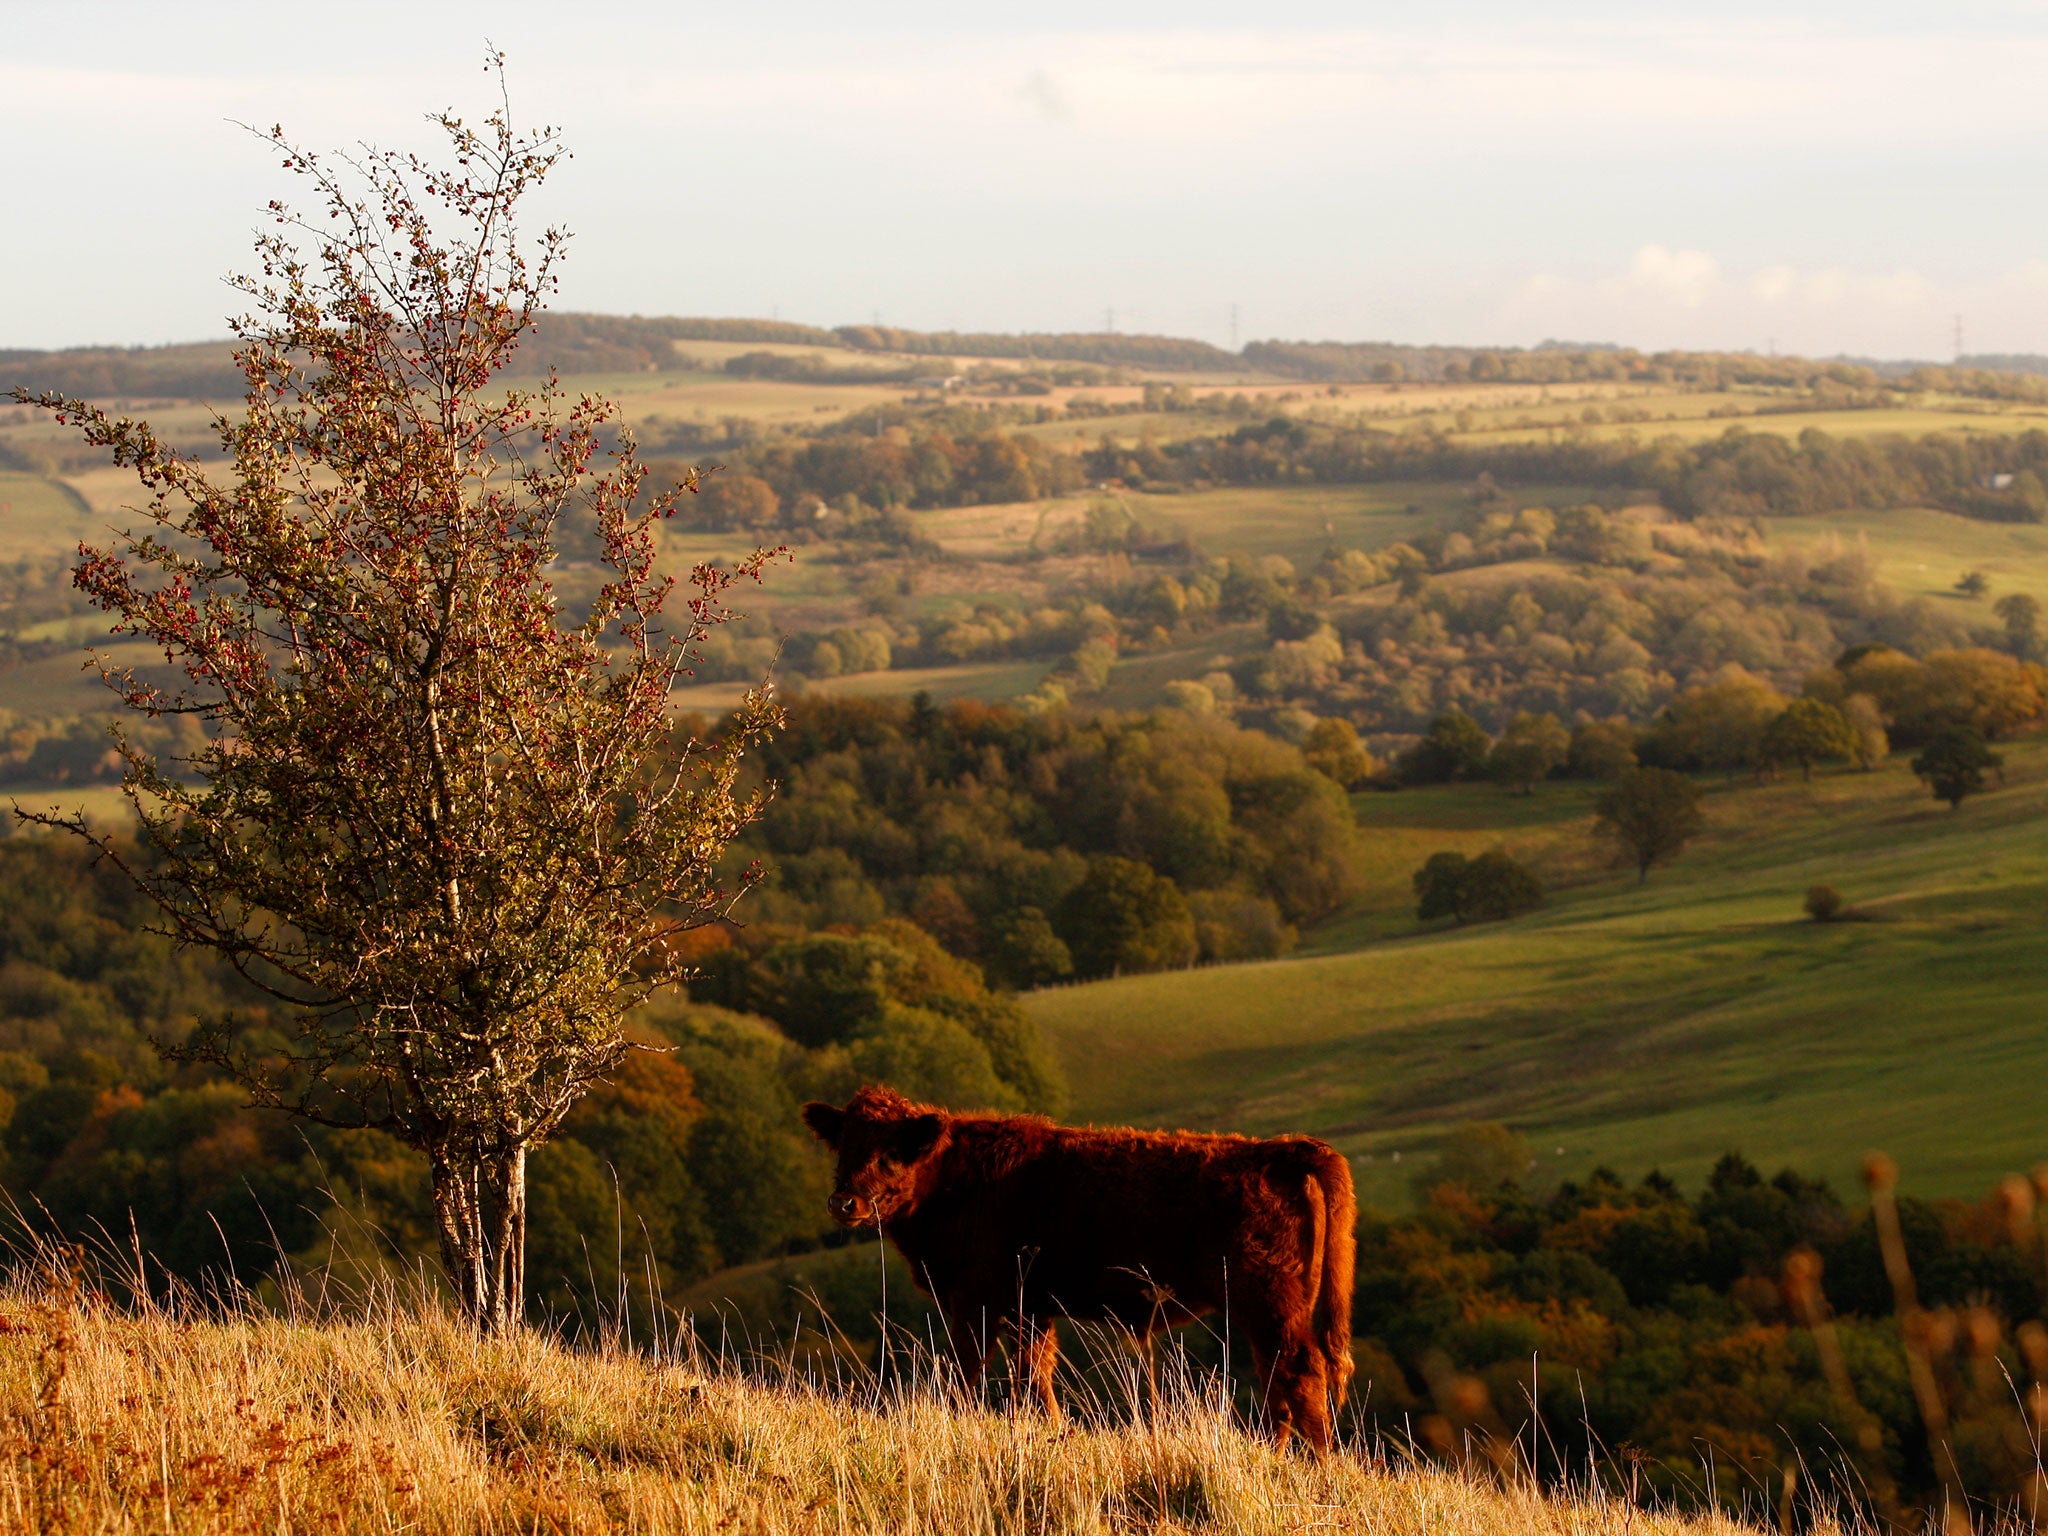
(1333, 1205)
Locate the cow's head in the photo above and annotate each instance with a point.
(883, 1140)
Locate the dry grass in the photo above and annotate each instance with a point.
(395, 1418)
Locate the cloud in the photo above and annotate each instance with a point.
(1666, 297)
(1685, 278)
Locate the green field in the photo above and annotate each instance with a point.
(40, 517)
(1920, 553)
(1636, 1026)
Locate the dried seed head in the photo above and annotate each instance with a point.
(2034, 1345)
(1468, 1397)
(1933, 1332)
(1802, 1268)
(1982, 1331)
(2016, 1196)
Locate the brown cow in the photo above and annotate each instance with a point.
(1010, 1222)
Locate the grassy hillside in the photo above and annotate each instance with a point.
(399, 1420)
(1644, 1026)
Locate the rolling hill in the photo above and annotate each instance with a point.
(1636, 1026)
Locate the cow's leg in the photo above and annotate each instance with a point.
(1037, 1346)
(973, 1342)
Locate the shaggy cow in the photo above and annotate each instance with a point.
(1010, 1222)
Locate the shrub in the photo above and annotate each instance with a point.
(1823, 903)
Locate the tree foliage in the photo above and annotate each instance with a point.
(1807, 731)
(1491, 885)
(1528, 750)
(1652, 813)
(1954, 763)
(978, 821)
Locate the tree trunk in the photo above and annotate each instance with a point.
(480, 1217)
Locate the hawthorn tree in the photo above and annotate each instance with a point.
(439, 816)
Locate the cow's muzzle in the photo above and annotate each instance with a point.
(852, 1211)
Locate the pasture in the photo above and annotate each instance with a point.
(1921, 553)
(1637, 1026)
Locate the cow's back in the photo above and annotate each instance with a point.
(1142, 1227)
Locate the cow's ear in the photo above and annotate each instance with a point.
(918, 1135)
(825, 1121)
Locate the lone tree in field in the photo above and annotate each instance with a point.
(439, 817)
(1953, 765)
(1651, 812)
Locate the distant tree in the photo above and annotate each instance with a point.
(1973, 585)
(1333, 749)
(1237, 925)
(1953, 765)
(1440, 888)
(1719, 724)
(1602, 749)
(1807, 731)
(1497, 886)
(1291, 619)
(437, 818)
(1024, 951)
(1483, 1158)
(1866, 724)
(733, 499)
(1823, 903)
(1981, 690)
(1652, 813)
(1124, 917)
(1455, 747)
(1493, 885)
(1530, 749)
(2021, 616)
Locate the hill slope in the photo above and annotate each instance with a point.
(402, 1421)
(1639, 1027)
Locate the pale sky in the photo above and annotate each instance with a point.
(1828, 178)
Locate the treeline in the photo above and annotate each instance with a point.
(1741, 473)
(1111, 348)
(1725, 1338)
(587, 343)
(1856, 711)
(1043, 846)
(1998, 378)
(197, 371)
(846, 482)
